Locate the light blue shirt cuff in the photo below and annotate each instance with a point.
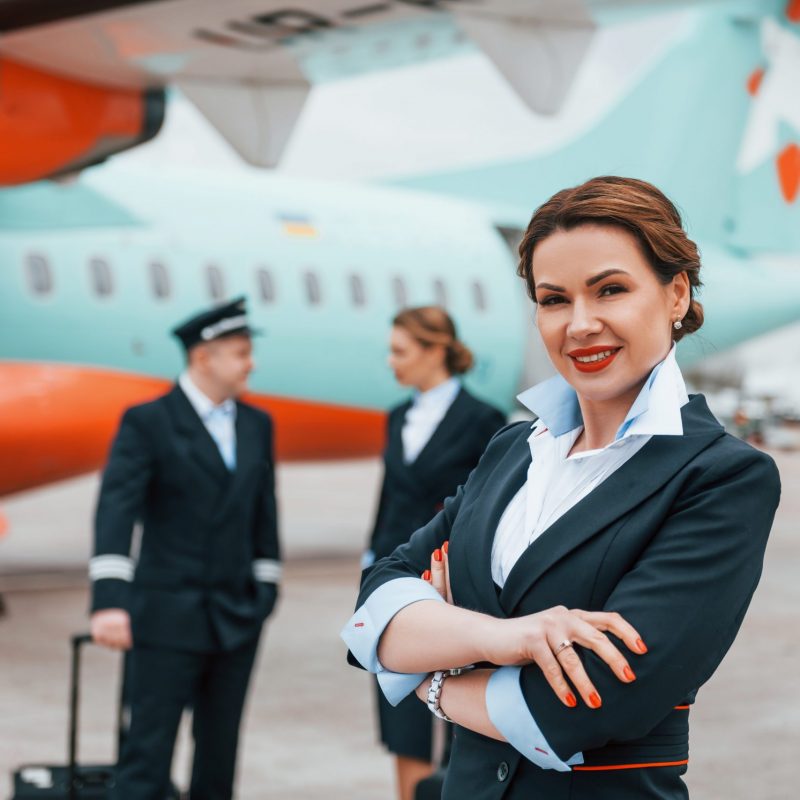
(365, 628)
(509, 713)
(396, 686)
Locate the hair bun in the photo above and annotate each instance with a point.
(459, 358)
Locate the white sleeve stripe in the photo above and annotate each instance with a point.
(111, 566)
(111, 558)
(265, 569)
(121, 576)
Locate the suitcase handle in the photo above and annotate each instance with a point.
(77, 642)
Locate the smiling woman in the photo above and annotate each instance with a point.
(613, 274)
(625, 502)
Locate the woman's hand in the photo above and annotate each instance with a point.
(439, 573)
(548, 639)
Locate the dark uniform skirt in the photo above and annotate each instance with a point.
(407, 728)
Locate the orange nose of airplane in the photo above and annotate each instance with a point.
(57, 420)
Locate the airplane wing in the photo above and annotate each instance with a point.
(249, 65)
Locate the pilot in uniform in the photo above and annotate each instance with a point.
(197, 472)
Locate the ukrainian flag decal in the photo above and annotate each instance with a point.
(298, 225)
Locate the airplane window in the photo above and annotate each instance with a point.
(400, 292)
(102, 281)
(313, 290)
(216, 282)
(357, 291)
(40, 277)
(440, 293)
(479, 296)
(266, 286)
(159, 280)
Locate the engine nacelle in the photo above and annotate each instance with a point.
(52, 125)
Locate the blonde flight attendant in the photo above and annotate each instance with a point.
(435, 439)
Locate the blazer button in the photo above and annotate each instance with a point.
(502, 771)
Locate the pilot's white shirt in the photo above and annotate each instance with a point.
(219, 420)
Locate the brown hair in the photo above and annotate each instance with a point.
(635, 206)
(431, 325)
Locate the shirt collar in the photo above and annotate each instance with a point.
(201, 402)
(656, 411)
(440, 396)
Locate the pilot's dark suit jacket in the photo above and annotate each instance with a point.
(674, 541)
(203, 527)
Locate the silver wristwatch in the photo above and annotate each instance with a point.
(435, 694)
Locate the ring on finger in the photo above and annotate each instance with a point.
(563, 646)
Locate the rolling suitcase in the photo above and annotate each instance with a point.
(73, 781)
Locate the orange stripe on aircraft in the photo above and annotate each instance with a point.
(788, 166)
(57, 421)
(632, 766)
(48, 122)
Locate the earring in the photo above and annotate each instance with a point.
(677, 324)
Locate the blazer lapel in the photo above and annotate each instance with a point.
(454, 417)
(202, 448)
(395, 444)
(504, 482)
(248, 446)
(637, 479)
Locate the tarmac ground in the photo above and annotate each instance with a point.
(309, 729)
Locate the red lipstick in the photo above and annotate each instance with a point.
(604, 356)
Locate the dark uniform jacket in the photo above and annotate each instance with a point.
(413, 493)
(206, 531)
(674, 541)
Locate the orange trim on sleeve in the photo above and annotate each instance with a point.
(682, 708)
(632, 766)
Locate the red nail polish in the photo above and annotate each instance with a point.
(641, 646)
(628, 673)
(571, 701)
(594, 700)
(437, 555)
(426, 576)
(445, 546)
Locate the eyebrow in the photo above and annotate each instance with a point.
(607, 274)
(590, 282)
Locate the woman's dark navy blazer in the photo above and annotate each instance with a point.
(412, 494)
(674, 541)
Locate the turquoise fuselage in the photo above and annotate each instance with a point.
(333, 351)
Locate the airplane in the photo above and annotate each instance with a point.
(96, 269)
(249, 65)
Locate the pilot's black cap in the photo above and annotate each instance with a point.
(222, 320)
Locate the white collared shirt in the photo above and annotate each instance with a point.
(219, 420)
(557, 481)
(426, 412)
